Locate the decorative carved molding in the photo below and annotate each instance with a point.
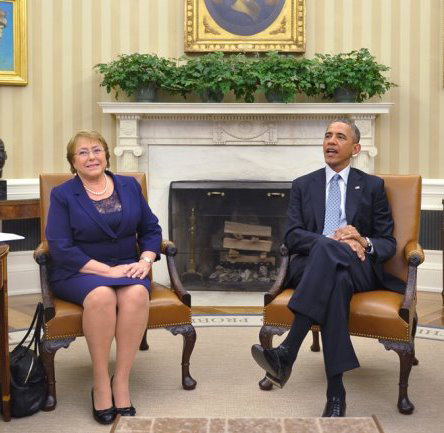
(282, 27)
(208, 28)
(244, 132)
(398, 346)
(185, 330)
(51, 346)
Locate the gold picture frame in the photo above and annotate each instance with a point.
(207, 29)
(13, 43)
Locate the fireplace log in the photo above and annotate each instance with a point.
(247, 244)
(242, 230)
(225, 257)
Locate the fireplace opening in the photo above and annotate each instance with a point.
(228, 233)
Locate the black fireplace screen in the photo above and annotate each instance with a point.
(228, 233)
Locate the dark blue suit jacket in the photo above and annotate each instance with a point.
(77, 233)
(366, 208)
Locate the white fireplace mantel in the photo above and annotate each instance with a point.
(230, 141)
(184, 108)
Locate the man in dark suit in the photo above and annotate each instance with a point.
(340, 233)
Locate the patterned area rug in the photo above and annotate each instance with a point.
(227, 383)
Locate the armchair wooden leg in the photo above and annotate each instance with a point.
(315, 347)
(189, 339)
(144, 343)
(48, 349)
(266, 335)
(415, 324)
(405, 352)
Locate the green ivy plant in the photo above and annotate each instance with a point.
(130, 72)
(357, 71)
(284, 76)
(208, 75)
(244, 76)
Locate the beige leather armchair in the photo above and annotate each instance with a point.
(169, 308)
(388, 316)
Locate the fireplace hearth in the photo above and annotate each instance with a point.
(228, 233)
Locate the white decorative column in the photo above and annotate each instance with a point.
(365, 160)
(128, 149)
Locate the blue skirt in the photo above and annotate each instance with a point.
(76, 288)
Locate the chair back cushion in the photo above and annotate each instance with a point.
(404, 196)
(49, 181)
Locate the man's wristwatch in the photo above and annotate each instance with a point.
(369, 247)
(147, 259)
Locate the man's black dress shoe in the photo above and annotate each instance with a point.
(276, 362)
(335, 407)
(103, 416)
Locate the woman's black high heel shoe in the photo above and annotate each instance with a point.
(123, 411)
(103, 416)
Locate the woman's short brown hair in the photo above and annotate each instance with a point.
(92, 135)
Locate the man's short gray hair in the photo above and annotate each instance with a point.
(351, 123)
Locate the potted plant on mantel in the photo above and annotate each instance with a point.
(139, 74)
(350, 77)
(281, 77)
(208, 75)
(356, 74)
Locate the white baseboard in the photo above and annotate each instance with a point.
(24, 279)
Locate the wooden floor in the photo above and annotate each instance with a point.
(21, 308)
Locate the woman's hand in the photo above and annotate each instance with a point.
(138, 269)
(118, 271)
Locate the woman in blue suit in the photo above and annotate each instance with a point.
(95, 221)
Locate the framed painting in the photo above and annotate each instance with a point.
(13, 42)
(244, 25)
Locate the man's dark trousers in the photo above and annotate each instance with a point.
(324, 283)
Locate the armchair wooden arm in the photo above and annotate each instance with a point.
(414, 255)
(278, 285)
(169, 249)
(42, 257)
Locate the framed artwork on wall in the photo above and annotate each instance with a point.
(13, 42)
(244, 25)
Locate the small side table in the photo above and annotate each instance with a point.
(19, 209)
(4, 338)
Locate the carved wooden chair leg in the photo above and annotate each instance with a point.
(405, 352)
(415, 324)
(144, 343)
(48, 349)
(266, 335)
(315, 347)
(189, 339)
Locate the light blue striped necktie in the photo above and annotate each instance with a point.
(333, 207)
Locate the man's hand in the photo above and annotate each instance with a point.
(356, 247)
(350, 233)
